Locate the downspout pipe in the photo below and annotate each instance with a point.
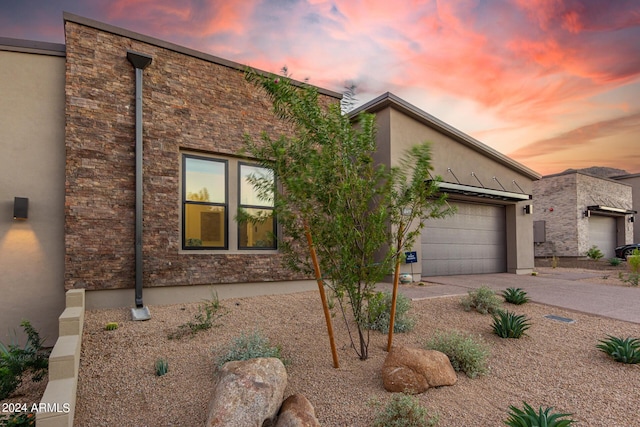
(140, 61)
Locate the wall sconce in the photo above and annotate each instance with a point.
(631, 219)
(20, 208)
(528, 209)
(586, 214)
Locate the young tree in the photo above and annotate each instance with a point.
(330, 187)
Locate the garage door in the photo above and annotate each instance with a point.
(472, 241)
(602, 233)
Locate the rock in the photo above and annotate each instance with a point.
(247, 393)
(297, 411)
(414, 370)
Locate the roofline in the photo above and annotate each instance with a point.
(70, 17)
(32, 46)
(390, 100)
(626, 176)
(575, 171)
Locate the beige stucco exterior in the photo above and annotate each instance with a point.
(634, 181)
(32, 166)
(401, 125)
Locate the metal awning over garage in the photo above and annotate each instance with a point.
(482, 192)
(472, 241)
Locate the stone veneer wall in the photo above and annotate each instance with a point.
(189, 103)
(555, 202)
(561, 200)
(605, 192)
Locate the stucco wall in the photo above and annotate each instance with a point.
(400, 131)
(190, 103)
(32, 166)
(634, 181)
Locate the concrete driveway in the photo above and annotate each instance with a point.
(560, 288)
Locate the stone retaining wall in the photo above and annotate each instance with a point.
(59, 400)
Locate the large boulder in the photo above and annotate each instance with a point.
(297, 411)
(414, 370)
(247, 393)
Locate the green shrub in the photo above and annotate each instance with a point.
(208, 312)
(615, 261)
(621, 350)
(515, 296)
(16, 361)
(483, 299)
(594, 253)
(466, 354)
(379, 313)
(111, 326)
(530, 418)
(510, 325)
(250, 346)
(403, 410)
(162, 367)
(632, 278)
(18, 419)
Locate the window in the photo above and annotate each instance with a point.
(205, 207)
(212, 205)
(255, 234)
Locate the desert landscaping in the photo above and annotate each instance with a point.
(556, 365)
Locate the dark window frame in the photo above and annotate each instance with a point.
(186, 202)
(261, 207)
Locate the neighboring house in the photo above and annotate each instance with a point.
(70, 124)
(575, 210)
(634, 181)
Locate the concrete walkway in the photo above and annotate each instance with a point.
(560, 288)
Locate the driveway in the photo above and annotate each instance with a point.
(557, 287)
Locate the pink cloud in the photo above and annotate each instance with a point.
(578, 146)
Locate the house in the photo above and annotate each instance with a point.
(126, 147)
(576, 210)
(634, 181)
(491, 229)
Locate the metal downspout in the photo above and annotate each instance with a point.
(140, 61)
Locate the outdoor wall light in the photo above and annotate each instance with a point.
(20, 208)
(631, 219)
(528, 209)
(586, 214)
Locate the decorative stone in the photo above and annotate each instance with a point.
(414, 370)
(297, 411)
(247, 393)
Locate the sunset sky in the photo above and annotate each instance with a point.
(554, 84)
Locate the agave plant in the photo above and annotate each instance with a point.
(162, 367)
(621, 350)
(510, 325)
(530, 418)
(515, 296)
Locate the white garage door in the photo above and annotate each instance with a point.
(602, 233)
(472, 241)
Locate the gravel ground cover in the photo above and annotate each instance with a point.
(557, 364)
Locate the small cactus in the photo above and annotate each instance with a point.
(111, 326)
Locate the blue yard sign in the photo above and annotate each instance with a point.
(411, 257)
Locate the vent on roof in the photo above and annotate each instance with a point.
(559, 319)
